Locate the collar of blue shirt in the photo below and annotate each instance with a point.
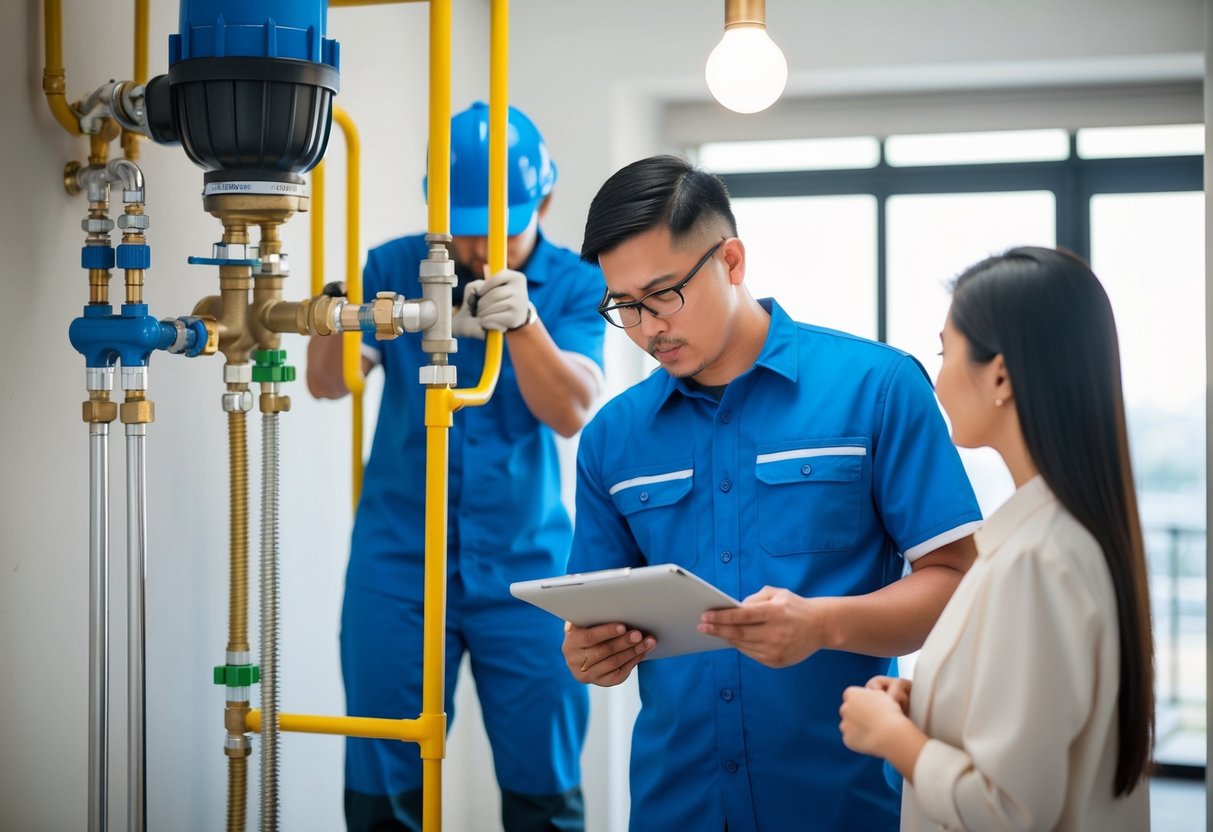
(779, 353)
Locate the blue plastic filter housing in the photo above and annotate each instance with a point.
(254, 29)
(249, 89)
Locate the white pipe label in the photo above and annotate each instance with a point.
(266, 188)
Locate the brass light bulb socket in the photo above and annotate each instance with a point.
(739, 13)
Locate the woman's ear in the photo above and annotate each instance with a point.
(733, 252)
(1000, 382)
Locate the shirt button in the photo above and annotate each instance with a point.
(644, 496)
(726, 417)
(727, 694)
(731, 767)
(725, 485)
(726, 556)
(806, 469)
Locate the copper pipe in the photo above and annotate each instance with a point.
(237, 785)
(238, 506)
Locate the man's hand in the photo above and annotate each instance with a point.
(774, 626)
(604, 655)
(464, 323)
(503, 303)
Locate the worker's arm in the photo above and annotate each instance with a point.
(779, 628)
(324, 377)
(558, 386)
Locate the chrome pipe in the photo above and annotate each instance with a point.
(98, 626)
(270, 593)
(136, 574)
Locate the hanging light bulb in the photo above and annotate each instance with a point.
(746, 72)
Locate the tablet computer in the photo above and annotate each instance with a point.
(664, 601)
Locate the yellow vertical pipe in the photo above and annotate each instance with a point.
(439, 405)
(499, 91)
(130, 141)
(439, 172)
(316, 210)
(499, 102)
(54, 76)
(351, 342)
(438, 409)
(141, 33)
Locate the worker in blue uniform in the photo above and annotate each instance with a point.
(797, 468)
(507, 522)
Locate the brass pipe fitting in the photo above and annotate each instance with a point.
(99, 409)
(137, 409)
(274, 403)
(234, 716)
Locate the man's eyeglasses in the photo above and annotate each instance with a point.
(660, 304)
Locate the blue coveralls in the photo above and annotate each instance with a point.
(822, 469)
(507, 523)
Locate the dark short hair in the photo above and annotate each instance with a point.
(660, 190)
(1048, 316)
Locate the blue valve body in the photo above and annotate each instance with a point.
(254, 28)
(131, 337)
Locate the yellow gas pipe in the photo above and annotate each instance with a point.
(429, 729)
(351, 342)
(54, 81)
(130, 140)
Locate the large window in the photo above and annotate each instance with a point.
(864, 235)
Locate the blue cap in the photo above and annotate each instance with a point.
(532, 173)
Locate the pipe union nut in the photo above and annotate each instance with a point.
(138, 412)
(179, 343)
(382, 312)
(138, 221)
(238, 373)
(273, 265)
(438, 374)
(96, 412)
(437, 271)
(237, 401)
(93, 225)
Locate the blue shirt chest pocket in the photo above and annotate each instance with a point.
(657, 508)
(810, 498)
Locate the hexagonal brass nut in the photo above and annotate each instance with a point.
(381, 314)
(139, 412)
(97, 412)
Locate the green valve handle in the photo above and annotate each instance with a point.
(237, 675)
(271, 366)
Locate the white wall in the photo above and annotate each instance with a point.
(597, 78)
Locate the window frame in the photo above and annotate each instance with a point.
(1073, 182)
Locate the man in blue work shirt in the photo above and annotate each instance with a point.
(795, 467)
(507, 522)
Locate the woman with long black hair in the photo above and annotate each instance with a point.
(1033, 699)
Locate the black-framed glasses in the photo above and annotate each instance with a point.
(660, 304)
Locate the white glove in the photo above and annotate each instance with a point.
(463, 322)
(503, 304)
